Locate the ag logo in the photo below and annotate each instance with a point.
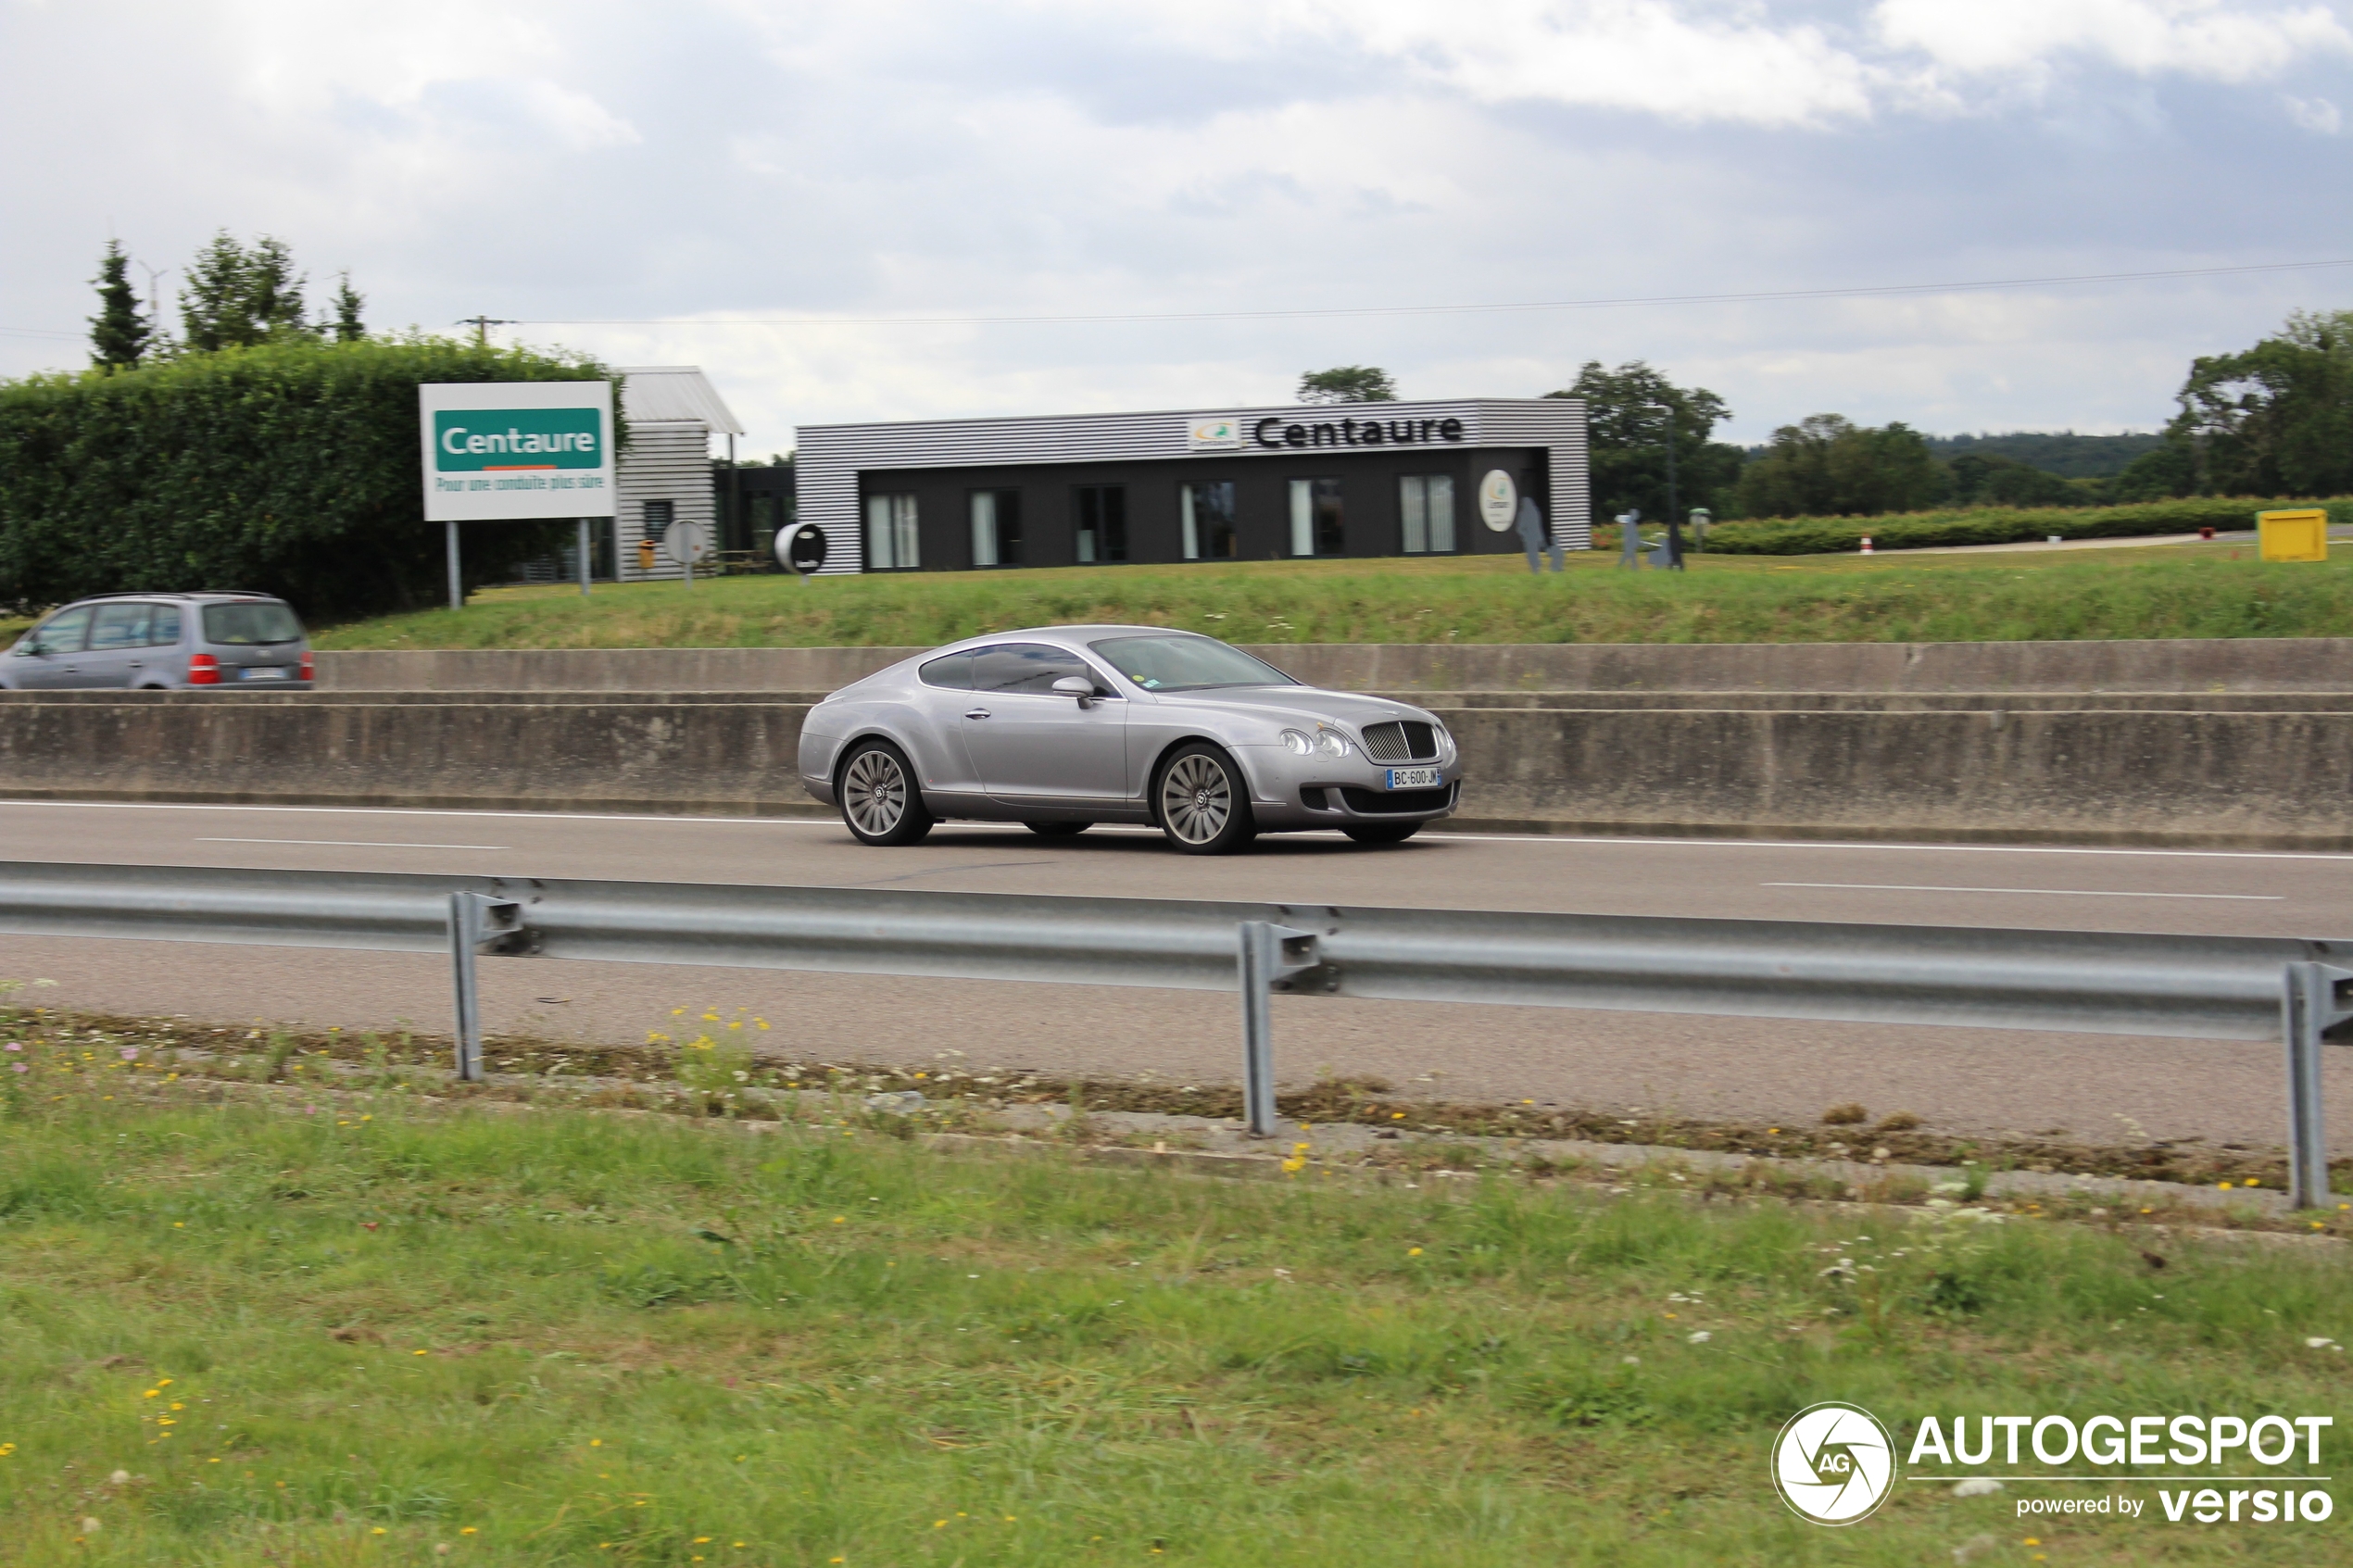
(1834, 1464)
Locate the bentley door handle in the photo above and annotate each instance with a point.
(977, 713)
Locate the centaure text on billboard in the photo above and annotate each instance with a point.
(516, 440)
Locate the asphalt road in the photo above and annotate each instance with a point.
(2100, 1088)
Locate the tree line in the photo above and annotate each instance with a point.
(237, 294)
(2274, 419)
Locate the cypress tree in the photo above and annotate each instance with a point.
(276, 288)
(349, 300)
(237, 297)
(118, 333)
(215, 304)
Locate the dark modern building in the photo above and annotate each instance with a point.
(1305, 480)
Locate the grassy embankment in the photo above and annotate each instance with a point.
(354, 1331)
(2152, 591)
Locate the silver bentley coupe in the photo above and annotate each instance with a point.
(1063, 727)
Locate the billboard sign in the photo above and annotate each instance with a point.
(516, 449)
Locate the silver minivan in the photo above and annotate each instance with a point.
(163, 642)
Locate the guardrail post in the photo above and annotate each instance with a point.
(1269, 953)
(465, 936)
(2314, 999)
(1258, 1028)
(474, 918)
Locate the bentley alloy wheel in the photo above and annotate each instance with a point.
(879, 801)
(1203, 807)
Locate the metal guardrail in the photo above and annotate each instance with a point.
(2198, 987)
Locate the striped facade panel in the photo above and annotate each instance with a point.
(831, 457)
(1557, 424)
(667, 461)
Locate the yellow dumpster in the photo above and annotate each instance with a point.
(2302, 534)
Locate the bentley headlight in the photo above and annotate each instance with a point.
(1297, 744)
(1331, 742)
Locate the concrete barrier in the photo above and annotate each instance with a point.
(690, 755)
(2244, 664)
(2253, 776)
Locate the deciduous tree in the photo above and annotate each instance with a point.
(2277, 419)
(1627, 414)
(1828, 466)
(1348, 383)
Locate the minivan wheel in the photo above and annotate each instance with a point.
(1383, 833)
(880, 804)
(1201, 802)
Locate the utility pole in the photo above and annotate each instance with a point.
(481, 325)
(1674, 515)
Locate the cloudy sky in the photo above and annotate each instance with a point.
(783, 193)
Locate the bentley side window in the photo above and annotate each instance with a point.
(953, 673)
(1030, 668)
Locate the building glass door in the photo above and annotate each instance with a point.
(1315, 517)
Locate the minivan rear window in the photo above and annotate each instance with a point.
(261, 620)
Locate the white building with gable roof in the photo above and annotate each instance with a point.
(663, 476)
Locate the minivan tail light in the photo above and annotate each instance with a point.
(204, 669)
(306, 665)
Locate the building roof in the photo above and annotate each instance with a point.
(674, 393)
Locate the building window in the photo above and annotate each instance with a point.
(767, 521)
(1315, 517)
(1427, 503)
(1209, 519)
(654, 526)
(1102, 522)
(890, 533)
(995, 516)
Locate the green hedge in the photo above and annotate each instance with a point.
(290, 467)
(1995, 525)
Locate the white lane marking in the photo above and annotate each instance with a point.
(2047, 892)
(834, 823)
(351, 843)
(827, 821)
(1698, 842)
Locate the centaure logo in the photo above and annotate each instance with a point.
(1834, 1464)
(515, 440)
(1213, 435)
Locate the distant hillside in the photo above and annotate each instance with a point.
(2061, 452)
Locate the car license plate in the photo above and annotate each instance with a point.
(262, 672)
(1412, 778)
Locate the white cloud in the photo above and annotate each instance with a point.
(1741, 64)
(1645, 55)
(2204, 39)
(2316, 115)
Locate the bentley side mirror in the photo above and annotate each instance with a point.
(1079, 686)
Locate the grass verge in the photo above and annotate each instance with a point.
(361, 1330)
(710, 1076)
(2155, 591)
